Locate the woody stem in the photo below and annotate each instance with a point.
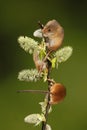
(48, 98)
(49, 83)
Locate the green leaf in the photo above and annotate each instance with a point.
(42, 54)
(53, 61)
(45, 73)
(44, 105)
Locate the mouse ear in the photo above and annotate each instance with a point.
(38, 33)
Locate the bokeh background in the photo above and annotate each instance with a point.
(20, 17)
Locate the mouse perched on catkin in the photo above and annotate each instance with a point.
(53, 33)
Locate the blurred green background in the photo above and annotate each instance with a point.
(20, 17)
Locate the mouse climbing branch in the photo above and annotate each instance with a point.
(47, 55)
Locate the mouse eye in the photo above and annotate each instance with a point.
(49, 30)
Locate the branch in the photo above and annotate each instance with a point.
(48, 97)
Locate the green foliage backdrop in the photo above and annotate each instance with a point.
(20, 17)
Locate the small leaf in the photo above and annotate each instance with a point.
(42, 54)
(53, 61)
(57, 65)
(43, 106)
(63, 54)
(34, 119)
(45, 73)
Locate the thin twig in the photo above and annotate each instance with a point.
(40, 24)
(33, 91)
